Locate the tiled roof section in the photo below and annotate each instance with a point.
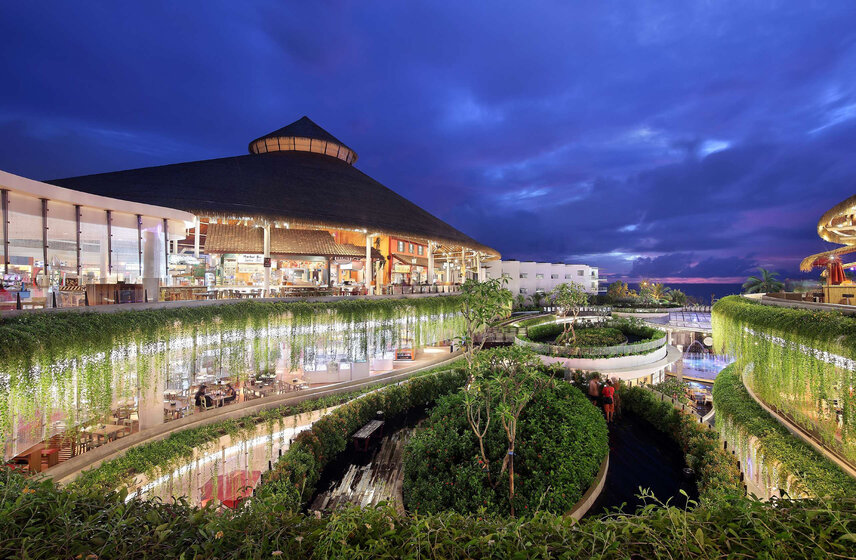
(410, 259)
(224, 238)
(302, 242)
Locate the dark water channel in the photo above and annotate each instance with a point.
(641, 455)
(372, 466)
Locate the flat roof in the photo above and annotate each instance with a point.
(38, 189)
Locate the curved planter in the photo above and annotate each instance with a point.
(637, 315)
(606, 363)
(593, 493)
(597, 351)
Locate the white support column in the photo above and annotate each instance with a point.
(430, 262)
(151, 258)
(463, 265)
(479, 269)
(267, 258)
(368, 268)
(196, 237)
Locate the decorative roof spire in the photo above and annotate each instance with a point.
(303, 135)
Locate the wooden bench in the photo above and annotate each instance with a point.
(364, 435)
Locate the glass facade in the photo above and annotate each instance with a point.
(57, 245)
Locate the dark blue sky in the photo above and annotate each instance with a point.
(675, 140)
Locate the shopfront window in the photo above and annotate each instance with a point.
(125, 247)
(26, 247)
(93, 246)
(62, 242)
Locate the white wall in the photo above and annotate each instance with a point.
(528, 277)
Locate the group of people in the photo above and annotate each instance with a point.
(203, 400)
(603, 394)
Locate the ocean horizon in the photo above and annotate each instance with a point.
(701, 292)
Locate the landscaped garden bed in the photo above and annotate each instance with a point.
(593, 340)
(562, 444)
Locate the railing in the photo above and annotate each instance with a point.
(589, 310)
(593, 351)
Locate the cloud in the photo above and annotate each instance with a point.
(634, 135)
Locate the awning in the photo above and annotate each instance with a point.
(410, 259)
(823, 259)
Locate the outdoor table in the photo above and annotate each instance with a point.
(33, 456)
(108, 431)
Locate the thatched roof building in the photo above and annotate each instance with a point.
(299, 174)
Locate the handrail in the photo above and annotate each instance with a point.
(567, 352)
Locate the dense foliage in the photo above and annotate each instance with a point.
(163, 456)
(779, 454)
(43, 523)
(81, 363)
(295, 475)
(563, 440)
(673, 388)
(717, 473)
(803, 364)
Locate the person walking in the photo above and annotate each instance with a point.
(607, 397)
(594, 389)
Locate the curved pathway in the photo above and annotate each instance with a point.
(640, 456)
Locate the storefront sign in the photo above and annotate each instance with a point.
(251, 259)
(267, 262)
(401, 268)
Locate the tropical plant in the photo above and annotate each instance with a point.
(480, 304)
(765, 283)
(677, 296)
(568, 298)
(619, 290)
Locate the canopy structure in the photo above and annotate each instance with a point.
(837, 225)
(821, 260)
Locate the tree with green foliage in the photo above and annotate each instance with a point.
(766, 283)
(678, 297)
(568, 298)
(506, 380)
(619, 290)
(481, 303)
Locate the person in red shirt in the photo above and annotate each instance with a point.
(607, 397)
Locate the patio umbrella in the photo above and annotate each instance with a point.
(232, 488)
(836, 273)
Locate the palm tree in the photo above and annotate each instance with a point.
(765, 284)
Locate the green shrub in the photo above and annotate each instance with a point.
(717, 474)
(41, 522)
(562, 442)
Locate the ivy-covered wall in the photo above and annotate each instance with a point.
(78, 364)
(803, 364)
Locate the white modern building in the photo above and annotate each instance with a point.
(52, 238)
(528, 277)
